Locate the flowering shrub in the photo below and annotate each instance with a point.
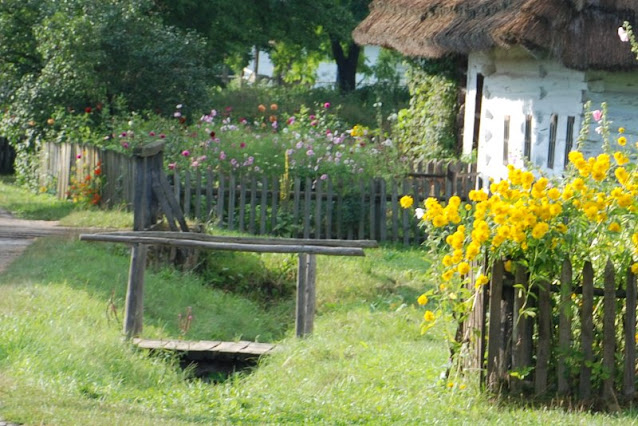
(530, 220)
(314, 144)
(86, 190)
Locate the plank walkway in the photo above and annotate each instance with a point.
(209, 348)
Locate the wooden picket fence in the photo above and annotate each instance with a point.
(7, 156)
(506, 345)
(258, 204)
(60, 162)
(320, 209)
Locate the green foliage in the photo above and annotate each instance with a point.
(82, 56)
(427, 129)
(65, 362)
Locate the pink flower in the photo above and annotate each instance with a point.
(312, 116)
(162, 136)
(313, 123)
(125, 145)
(622, 34)
(242, 145)
(171, 166)
(78, 156)
(195, 164)
(326, 105)
(222, 155)
(324, 176)
(186, 153)
(290, 120)
(310, 153)
(177, 114)
(123, 134)
(151, 133)
(597, 115)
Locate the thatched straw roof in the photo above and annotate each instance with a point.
(582, 34)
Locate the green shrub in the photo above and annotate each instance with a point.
(427, 128)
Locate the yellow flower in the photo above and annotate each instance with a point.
(429, 316)
(463, 268)
(614, 227)
(406, 201)
(621, 158)
(508, 266)
(422, 300)
(621, 130)
(447, 275)
(634, 268)
(554, 193)
(481, 280)
(442, 287)
(540, 229)
(622, 141)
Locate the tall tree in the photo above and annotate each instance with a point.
(234, 28)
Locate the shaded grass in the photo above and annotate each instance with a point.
(26, 205)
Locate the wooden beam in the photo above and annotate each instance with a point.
(227, 246)
(246, 240)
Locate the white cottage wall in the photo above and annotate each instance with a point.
(517, 85)
(620, 91)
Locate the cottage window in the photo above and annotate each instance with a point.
(551, 149)
(569, 139)
(527, 150)
(506, 139)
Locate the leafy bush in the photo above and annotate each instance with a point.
(427, 128)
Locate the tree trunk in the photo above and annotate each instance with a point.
(346, 65)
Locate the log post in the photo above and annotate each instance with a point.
(302, 276)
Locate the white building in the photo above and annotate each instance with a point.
(532, 66)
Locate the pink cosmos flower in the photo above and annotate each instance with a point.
(222, 155)
(171, 166)
(186, 153)
(78, 156)
(151, 133)
(622, 34)
(324, 176)
(310, 153)
(242, 145)
(313, 123)
(162, 136)
(597, 115)
(326, 105)
(125, 145)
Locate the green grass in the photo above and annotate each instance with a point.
(63, 359)
(24, 204)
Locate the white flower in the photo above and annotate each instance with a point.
(622, 34)
(419, 212)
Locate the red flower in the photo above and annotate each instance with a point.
(88, 110)
(212, 135)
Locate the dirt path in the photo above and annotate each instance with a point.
(17, 234)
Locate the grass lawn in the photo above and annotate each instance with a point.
(63, 360)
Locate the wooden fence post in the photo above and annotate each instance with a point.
(302, 277)
(495, 337)
(564, 326)
(629, 375)
(544, 338)
(609, 332)
(587, 331)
